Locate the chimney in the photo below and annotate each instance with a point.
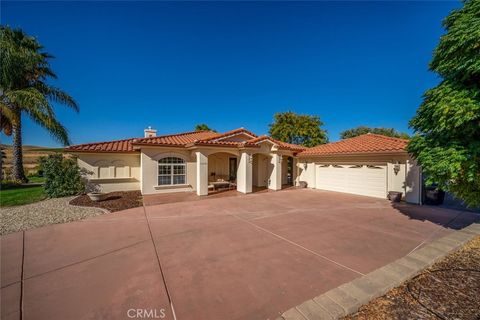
(149, 132)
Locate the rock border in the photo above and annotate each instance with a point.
(349, 297)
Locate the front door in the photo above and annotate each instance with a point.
(232, 169)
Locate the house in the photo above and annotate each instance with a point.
(197, 161)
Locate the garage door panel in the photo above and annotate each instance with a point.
(361, 180)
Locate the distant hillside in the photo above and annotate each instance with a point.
(30, 156)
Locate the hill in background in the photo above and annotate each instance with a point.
(31, 154)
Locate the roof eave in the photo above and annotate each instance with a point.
(392, 152)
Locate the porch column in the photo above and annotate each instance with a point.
(202, 174)
(275, 182)
(244, 173)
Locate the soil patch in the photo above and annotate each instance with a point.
(447, 290)
(115, 201)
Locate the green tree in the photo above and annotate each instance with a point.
(389, 132)
(203, 127)
(299, 129)
(24, 72)
(63, 177)
(447, 123)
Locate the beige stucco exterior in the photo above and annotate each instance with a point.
(407, 179)
(149, 172)
(108, 172)
(263, 165)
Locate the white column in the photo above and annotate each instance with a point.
(244, 173)
(202, 174)
(413, 182)
(276, 175)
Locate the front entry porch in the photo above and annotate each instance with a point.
(243, 171)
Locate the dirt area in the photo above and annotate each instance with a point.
(115, 201)
(448, 290)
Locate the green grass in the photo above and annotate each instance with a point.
(35, 179)
(16, 196)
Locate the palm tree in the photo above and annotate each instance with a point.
(24, 72)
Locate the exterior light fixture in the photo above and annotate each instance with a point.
(396, 168)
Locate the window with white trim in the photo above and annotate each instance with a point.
(171, 171)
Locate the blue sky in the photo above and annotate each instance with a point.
(232, 64)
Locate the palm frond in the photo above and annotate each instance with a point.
(51, 124)
(57, 95)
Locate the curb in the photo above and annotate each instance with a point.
(348, 297)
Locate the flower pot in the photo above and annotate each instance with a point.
(97, 196)
(395, 196)
(434, 196)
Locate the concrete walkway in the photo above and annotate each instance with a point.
(245, 257)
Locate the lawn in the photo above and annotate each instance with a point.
(15, 196)
(36, 179)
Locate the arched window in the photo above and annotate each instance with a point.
(171, 171)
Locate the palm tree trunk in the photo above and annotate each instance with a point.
(1, 163)
(18, 173)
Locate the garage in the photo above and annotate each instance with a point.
(361, 179)
(369, 165)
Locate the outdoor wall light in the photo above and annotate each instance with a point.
(305, 165)
(396, 168)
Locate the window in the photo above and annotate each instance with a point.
(171, 171)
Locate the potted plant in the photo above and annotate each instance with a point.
(433, 195)
(97, 196)
(395, 196)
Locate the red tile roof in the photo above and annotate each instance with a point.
(107, 146)
(281, 144)
(186, 139)
(366, 143)
(231, 133)
(180, 139)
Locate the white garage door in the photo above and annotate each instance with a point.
(366, 180)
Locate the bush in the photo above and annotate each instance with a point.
(63, 177)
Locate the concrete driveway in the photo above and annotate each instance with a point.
(246, 257)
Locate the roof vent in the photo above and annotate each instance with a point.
(149, 132)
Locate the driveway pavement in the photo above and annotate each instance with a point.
(245, 257)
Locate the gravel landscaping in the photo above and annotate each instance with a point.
(42, 213)
(447, 290)
(115, 201)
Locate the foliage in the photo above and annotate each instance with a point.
(203, 127)
(20, 195)
(25, 89)
(389, 132)
(447, 123)
(299, 129)
(63, 177)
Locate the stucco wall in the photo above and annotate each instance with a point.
(407, 180)
(285, 170)
(306, 172)
(260, 170)
(149, 176)
(108, 172)
(219, 163)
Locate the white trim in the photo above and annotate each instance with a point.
(120, 179)
(172, 186)
(233, 135)
(184, 164)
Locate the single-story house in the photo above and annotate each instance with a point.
(197, 161)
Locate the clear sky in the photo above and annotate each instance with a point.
(232, 64)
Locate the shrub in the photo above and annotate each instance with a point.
(63, 177)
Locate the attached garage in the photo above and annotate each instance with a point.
(368, 165)
(361, 179)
